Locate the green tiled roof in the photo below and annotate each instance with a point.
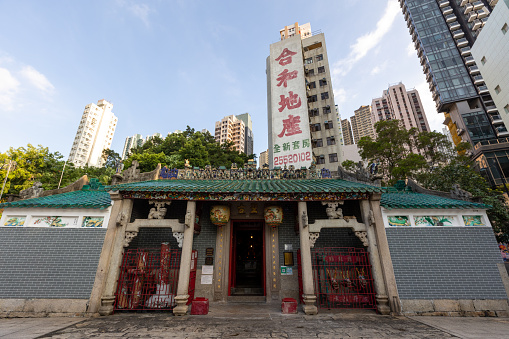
(418, 200)
(77, 199)
(248, 186)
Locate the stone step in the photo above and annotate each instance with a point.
(246, 299)
(247, 291)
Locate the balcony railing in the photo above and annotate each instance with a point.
(450, 18)
(454, 26)
(465, 51)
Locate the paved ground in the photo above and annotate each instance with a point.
(255, 321)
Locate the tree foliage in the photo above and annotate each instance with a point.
(391, 149)
(39, 164)
(199, 148)
(460, 171)
(431, 159)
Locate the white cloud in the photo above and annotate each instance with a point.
(435, 120)
(368, 41)
(37, 79)
(379, 68)
(411, 50)
(8, 88)
(140, 11)
(340, 96)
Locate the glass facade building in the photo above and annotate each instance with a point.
(443, 32)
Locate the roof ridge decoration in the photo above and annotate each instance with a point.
(93, 185)
(248, 172)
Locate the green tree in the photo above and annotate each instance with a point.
(32, 164)
(199, 148)
(435, 147)
(148, 161)
(349, 165)
(392, 150)
(111, 158)
(460, 171)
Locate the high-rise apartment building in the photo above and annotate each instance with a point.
(130, 143)
(398, 103)
(347, 132)
(444, 32)
(263, 159)
(491, 53)
(340, 128)
(301, 111)
(150, 137)
(249, 138)
(361, 123)
(231, 129)
(95, 134)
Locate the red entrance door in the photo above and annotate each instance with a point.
(247, 258)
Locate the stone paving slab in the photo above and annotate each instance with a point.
(26, 328)
(469, 327)
(255, 321)
(250, 321)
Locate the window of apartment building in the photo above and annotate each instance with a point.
(308, 61)
(312, 85)
(328, 125)
(323, 82)
(483, 60)
(326, 110)
(497, 89)
(505, 28)
(319, 57)
(325, 95)
(314, 112)
(320, 160)
(331, 141)
(317, 142)
(316, 127)
(333, 157)
(312, 98)
(321, 69)
(506, 108)
(310, 72)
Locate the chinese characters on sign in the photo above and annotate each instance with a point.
(290, 127)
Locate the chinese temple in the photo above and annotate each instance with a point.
(159, 240)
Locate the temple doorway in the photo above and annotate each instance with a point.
(247, 258)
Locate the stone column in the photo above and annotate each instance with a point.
(185, 261)
(104, 260)
(385, 254)
(305, 262)
(108, 295)
(382, 300)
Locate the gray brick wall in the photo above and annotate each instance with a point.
(286, 232)
(207, 236)
(151, 238)
(49, 262)
(446, 263)
(329, 237)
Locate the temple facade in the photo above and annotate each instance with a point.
(251, 235)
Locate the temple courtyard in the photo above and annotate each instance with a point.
(255, 321)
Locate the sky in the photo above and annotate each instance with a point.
(167, 64)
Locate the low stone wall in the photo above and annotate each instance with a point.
(33, 308)
(456, 308)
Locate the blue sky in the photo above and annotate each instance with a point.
(168, 64)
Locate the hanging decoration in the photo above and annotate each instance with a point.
(220, 215)
(273, 215)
